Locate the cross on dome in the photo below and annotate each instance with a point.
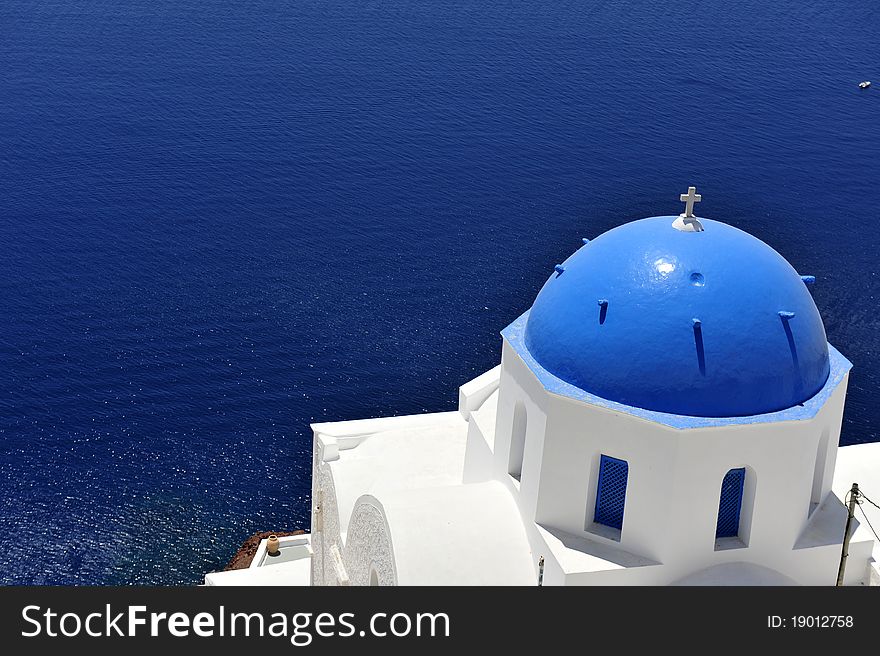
(689, 199)
(686, 221)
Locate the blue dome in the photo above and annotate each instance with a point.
(709, 324)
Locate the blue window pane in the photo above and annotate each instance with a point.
(611, 492)
(730, 504)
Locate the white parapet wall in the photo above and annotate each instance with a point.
(294, 570)
(474, 393)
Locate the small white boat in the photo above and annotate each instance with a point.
(864, 85)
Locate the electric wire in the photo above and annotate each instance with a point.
(865, 515)
(862, 495)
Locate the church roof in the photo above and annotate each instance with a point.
(710, 322)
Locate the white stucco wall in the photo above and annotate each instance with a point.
(673, 488)
(429, 499)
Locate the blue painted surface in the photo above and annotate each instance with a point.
(221, 221)
(611, 492)
(648, 352)
(730, 503)
(840, 366)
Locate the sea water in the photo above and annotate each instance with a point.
(221, 221)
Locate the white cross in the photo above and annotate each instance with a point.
(689, 199)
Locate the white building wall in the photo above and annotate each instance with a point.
(674, 481)
(325, 522)
(518, 385)
(780, 460)
(578, 435)
(671, 506)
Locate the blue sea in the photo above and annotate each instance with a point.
(221, 221)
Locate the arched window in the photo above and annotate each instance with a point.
(611, 492)
(730, 505)
(517, 441)
(374, 576)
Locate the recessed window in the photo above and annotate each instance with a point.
(730, 504)
(611, 492)
(517, 441)
(819, 472)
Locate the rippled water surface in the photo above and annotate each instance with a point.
(221, 221)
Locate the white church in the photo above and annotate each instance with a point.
(667, 412)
